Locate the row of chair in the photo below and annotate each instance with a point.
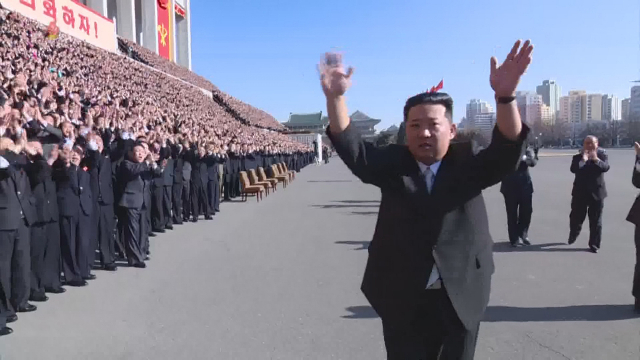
(258, 183)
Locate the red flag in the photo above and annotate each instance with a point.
(439, 87)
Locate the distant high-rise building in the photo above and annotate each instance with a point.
(624, 109)
(484, 124)
(591, 107)
(634, 103)
(476, 106)
(564, 111)
(550, 92)
(610, 107)
(546, 115)
(529, 106)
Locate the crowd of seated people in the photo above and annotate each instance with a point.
(99, 152)
(242, 111)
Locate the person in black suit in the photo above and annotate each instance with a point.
(178, 179)
(589, 192)
(517, 189)
(157, 196)
(134, 202)
(187, 168)
(17, 213)
(213, 187)
(52, 253)
(167, 179)
(75, 205)
(431, 258)
(634, 218)
(100, 171)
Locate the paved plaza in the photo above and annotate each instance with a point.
(280, 280)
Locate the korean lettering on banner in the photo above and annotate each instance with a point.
(29, 3)
(50, 8)
(68, 17)
(84, 24)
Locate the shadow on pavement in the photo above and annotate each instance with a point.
(357, 201)
(562, 313)
(364, 212)
(339, 206)
(551, 247)
(364, 245)
(329, 181)
(360, 312)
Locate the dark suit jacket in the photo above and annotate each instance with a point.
(74, 190)
(43, 189)
(178, 165)
(520, 182)
(100, 171)
(415, 228)
(212, 162)
(589, 180)
(168, 172)
(134, 179)
(634, 212)
(16, 200)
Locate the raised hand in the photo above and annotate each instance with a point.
(505, 78)
(637, 147)
(335, 81)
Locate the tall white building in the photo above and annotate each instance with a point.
(477, 106)
(611, 108)
(529, 106)
(624, 109)
(592, 107)
(550, 92)
(484, 124)
(634, 103)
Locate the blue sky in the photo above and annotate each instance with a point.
(265, 52)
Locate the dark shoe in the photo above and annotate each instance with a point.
(12, 318)
(177, 223)
(110, 267)
(90, 277)
(208, 217)
(5, 331)
(169, 227)
(593, 249)
(525, 241)
(637, 307)
(195, 219)
(159, 231)
(77, 283)
(27, 308)
(572, 239)
(59, 290)
(517, 243)
(152, 235)
(140, 266)
(38, 298)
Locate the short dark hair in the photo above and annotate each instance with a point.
(429, 98)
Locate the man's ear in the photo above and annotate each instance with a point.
(453, 131)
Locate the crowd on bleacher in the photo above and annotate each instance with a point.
(98, 152)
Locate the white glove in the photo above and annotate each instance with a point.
(3, 163)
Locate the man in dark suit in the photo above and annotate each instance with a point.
(167, 174)
(100, 171)
(213, 187)
(17, 213)
(75, 206)
(517, 189)
(178, 168)
(157, 196)
(634, 218)
(589, 192)
(430, 261)
(134, 203)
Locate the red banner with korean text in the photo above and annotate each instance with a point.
(68, 17)
(165, 28)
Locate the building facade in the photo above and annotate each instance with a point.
(611, 108)
(634, 103)
(477, 106)
(551, 93)
(529, 106)
(624, 109)
(162, 26)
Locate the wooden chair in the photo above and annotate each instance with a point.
(263, 177)
(286, 168)
(284, 179)
(247, 188)
(284, 172)
(253, 179)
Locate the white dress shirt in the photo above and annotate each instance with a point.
(435, 274)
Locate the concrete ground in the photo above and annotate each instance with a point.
(280, 280)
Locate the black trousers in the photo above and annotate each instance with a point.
(176, 204)
(186, 200)
(38, 249)
(580, 207)
(135, 234)
(74, 246)
(15, 270)
(105, 231)
(166, 205)
(52, 257)
(227, 187)
(436, 333)
(157, 208)
(519, 209)
(199, 202)
(213, 195)
(235, 185)
(636, 275)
